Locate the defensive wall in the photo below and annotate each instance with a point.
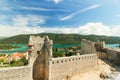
(42, 66)
(113, 55)
(67, 67)
(104, 52)
(16, 73)
(45, 67)
(88, 47)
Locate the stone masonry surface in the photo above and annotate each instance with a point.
(16, 73)
(61, 68)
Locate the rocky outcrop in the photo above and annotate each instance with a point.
(103, 75)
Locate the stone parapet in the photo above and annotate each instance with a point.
(16, 73)
(63, 67)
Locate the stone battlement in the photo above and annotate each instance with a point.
(45, 67)
(61, 68)
(42, 66)
(72, 58)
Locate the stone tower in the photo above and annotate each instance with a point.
(41, 51)
(88, 47)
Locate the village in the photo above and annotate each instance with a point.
(15, 59)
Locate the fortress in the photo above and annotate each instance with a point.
(42, 65)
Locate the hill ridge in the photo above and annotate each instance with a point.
(60, 38)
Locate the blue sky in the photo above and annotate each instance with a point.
(99, 17)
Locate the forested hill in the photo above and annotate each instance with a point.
(2, 37)
(60, 38)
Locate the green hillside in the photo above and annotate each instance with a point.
(60, 38)
(2, 37)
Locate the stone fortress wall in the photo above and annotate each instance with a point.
(88, 47)
(67, 67)
(42, 66)
(16, 73)
(104, 52)
(46, 67)
(112, 54)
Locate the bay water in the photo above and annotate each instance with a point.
(24, 47)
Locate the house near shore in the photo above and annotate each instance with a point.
(18, 55)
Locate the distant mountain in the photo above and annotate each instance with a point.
(3, 37)
(60, 38)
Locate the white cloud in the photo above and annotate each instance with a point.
(116, 30)
(7, 30)
(56, 1)
(87, 29)
(34, 30)
(32, 20)
(36, 8)
(41, 9)
(95, 28)
(22, 24)
(80, 11)
(20, 21)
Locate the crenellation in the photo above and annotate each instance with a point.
(42, 65)
(68, 65)
(73, 58)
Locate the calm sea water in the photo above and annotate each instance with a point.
(113, 45)
(25, 48)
